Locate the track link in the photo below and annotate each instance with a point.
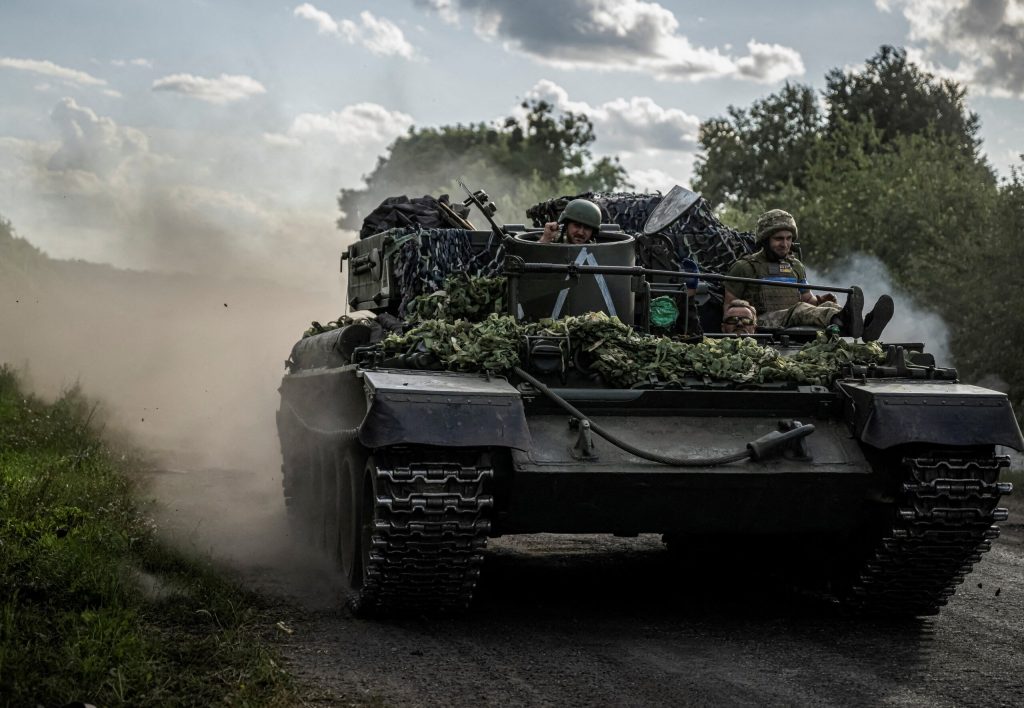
(944, 523)
(429, 531)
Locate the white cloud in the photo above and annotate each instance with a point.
(444, 8)
(221, 90)
(617, 35)
(48, 68)
(986, 37)
(636, 123)
(655, 179)
(139, 61)
(769, 63)
(656, 145)
(325, 24)
(376, 34)
(91, 143)
(357, 124)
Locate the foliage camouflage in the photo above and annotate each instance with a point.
(462, 297)
(625, 357)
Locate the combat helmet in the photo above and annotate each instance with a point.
(583, 212)
(772, 222)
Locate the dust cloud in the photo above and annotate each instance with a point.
(186, 367)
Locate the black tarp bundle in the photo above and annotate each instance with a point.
(402, 212)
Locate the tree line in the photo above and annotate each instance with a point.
(884, 161)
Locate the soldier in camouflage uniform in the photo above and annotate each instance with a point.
(786, 307)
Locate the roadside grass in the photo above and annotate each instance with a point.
(93, 607)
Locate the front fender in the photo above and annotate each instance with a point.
(885, 414)
(442, 408)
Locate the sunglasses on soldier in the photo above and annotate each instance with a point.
(734, 320)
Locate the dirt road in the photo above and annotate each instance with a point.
(598, 621)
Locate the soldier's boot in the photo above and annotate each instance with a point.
(876, 320)
(851, 318)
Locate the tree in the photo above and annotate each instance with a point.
(547, 152)
(900, 99)
(754, 153)
(994, 318)
(920, 206)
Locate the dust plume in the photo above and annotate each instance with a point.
(911, 322)
(187, 366)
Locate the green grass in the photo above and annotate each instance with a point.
(93, 607)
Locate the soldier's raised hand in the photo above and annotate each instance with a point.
(550, 232)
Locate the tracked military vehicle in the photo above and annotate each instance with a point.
(405, 447)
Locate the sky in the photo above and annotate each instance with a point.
(213, 137)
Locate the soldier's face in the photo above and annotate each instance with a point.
(577, 233)
(781, 243)
(739, 320)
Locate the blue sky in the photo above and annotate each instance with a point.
(214, 136)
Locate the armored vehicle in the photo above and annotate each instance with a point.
(547, 400)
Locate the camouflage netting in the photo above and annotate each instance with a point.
(699, 235)
(424, 258)
(624, 357)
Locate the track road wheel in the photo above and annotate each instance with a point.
(299, 474)
(328, 518)
(362, 600)
(347, 500)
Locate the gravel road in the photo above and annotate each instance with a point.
(599, 621)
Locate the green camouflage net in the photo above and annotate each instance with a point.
(625, 357)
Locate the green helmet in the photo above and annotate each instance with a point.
(582, 212)
(773, 221)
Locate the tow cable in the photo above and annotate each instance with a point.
(760, 449)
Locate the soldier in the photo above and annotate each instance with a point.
(783, 307)
(577, 224)
(740, 318)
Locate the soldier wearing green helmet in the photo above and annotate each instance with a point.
(785, 307)
(577, 224)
